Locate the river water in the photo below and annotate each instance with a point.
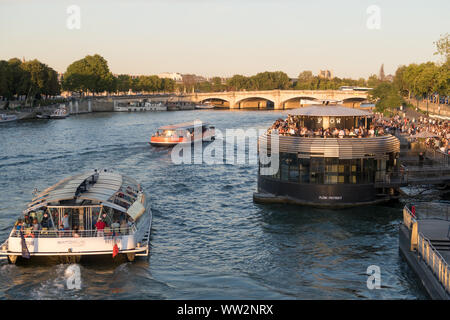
(209, 240)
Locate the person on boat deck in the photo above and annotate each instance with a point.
(19, 225)
(46, 222)
(27, 220)
(104, 218)
(36, 225)
(75, 233)
(124, 226)
(66, 221)
(115, 226)
(61, 230)
(100, 226)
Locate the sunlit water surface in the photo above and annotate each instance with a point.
(209, 240)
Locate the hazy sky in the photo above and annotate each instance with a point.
(226, 37)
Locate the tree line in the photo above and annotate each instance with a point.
(92, 75)
(32, 79)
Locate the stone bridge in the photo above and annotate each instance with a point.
(278, 99)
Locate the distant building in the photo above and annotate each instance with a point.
(326, 74)
(389, 78)
(381, 76)
(177, 77)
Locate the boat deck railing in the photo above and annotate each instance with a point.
(404, 175)
(54, 233)
(434, 260)
(426, 250)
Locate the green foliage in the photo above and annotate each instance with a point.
(307, 81)
(90, 74)
(31, 78)
(261, 81)
(44, 80)
(386, 96)
(443, 47)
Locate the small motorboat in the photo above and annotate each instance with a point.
(204, 106)
(183, 133)
(42, 116)
(7, 117)
(95, 213)
(60, 113)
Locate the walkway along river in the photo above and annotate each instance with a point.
(209, 239)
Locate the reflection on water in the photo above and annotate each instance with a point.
(209, 240)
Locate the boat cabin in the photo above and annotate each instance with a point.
(75, 205)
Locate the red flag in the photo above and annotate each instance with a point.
(115, 250)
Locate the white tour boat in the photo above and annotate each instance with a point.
(137, 107)
(94, 213)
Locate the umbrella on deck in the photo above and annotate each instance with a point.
(425, 134)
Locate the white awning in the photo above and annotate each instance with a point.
(136, 210)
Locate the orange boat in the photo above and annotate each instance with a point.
(187, 132)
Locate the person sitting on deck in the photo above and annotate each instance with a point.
(100, 226)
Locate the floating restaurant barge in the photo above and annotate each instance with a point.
(328, 171)
(89, 214)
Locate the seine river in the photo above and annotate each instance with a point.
(209, 240)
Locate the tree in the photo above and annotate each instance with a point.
(373, 81)
(19, 81)
(216, 84)
(305, 81)
(442, 79)
(238, 82)
(443, 47)
(167, 85)
(89, 74)
(386, 97)
(124, 83)
(44, 80)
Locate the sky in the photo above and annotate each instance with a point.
(227, 37)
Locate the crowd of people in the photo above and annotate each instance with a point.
(435, 133)
(291, 127)
(29, 226)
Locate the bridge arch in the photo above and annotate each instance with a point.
(256, 102)
(354, 101)
(295, 102)
(220, 102)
